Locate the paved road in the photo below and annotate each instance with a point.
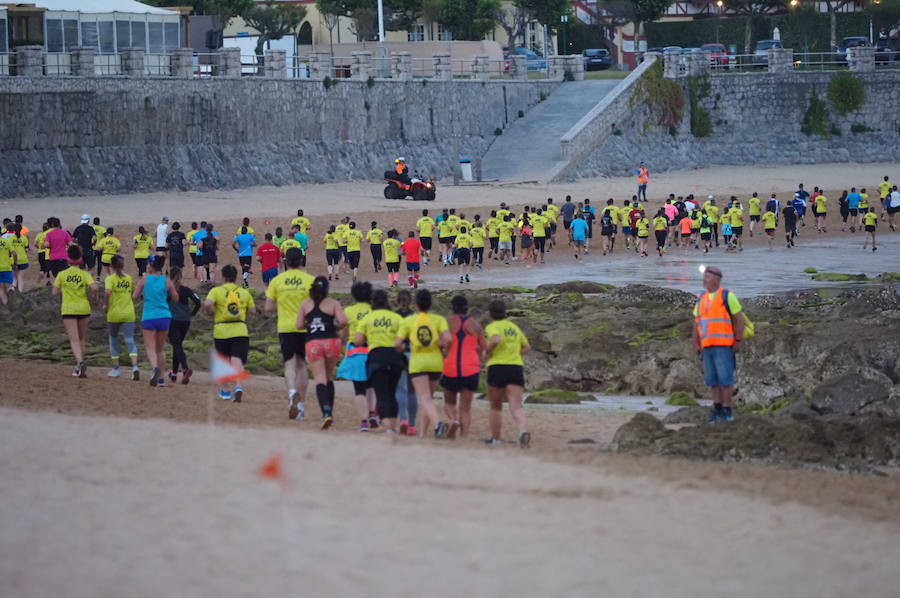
(528, 150)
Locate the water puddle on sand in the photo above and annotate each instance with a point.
(653, 405)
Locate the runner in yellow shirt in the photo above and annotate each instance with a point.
(73, 284)
(770, 221)
(392, 257)
(493, 233)
(643, 233)
(736, 215)
(19, 243)
(425, 224)
(43, 252)
(118, 304)
(142, 247)
(109, 246)
(7, 265)
(99, 233)
(478, 234)
(870, 221)
(332, 253)
(192, 250)
(354, 248)
(755, 212)
(341, 234)
(506, 372)
(378, 331)
(301, 221)
(551, 213)
(506, 229)
(375, 237)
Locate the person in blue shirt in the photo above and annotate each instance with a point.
(799, 205)
(578, 232)
(244, 244)
(853, 199)
(303, 239)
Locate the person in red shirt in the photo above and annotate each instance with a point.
(269, 257)
(633, 216)
(412, 251)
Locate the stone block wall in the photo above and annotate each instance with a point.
(757, 119)
(87, 135)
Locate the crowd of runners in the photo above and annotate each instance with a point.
(396, 356)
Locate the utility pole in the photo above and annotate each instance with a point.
(565, 47)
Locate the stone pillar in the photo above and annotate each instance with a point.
(671, 65)
(181, 63)
(557, 66)
(82, 61)
(575, 66)
(443, 67)
(319, 65)
(275, 62)
(361, 67)
(30, 61)
(401, 66)
(132, 62)
(861, 59)
(697, 64)
(481, 68)
(518, 67)
(781, 60)
(228, 63)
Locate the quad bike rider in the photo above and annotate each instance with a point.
(401, 186)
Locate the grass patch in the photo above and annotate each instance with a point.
(606, 75)
(555, 396)
(666, 334)
(810, 270)
(840, 277)
(760, 409)
(511, 290)
(681, 399)
(888, 277)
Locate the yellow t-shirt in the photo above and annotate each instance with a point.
(289, 289)
(288, 244)
(659, 223)
(423, 330)
(454, 222)
(478, 236)
(229, 325)
(864, 201)
(380, 327)
(192, 248)
(509, 351)
(331, 241)
(20, 245)
(340, 232)
(39, 243)
(713, 213)
(6, 253)
(249, 230)
(425, 224)
(463, 241)
(375, 236)
(445, 228)
(538, 226)
(754, 206)
(99, 232)
(109, 246)
(769, 219)
(821, 206)
(734, 306)
(506, 231)
(302, 222)
(502, 213)
(121, 305)
(392, 250)
(643, 228)
(884, 187)
(142, 246)
(737, 217)
(493, 227)
(354, 239)
(355, 314)
(625, 216)
(551, 212)
(74, 283)
(870, 219)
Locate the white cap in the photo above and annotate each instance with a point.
(85, 218)
(710, 197)
(402, 159)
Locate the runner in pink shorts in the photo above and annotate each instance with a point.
(326, 325)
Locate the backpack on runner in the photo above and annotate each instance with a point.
(233, 305)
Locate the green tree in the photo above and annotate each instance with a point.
(273, 22)
(647, 11)
(224, 9)
(753, 9)
(469, 19)
(885, 13)
(331, 11)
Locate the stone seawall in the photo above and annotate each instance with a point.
(111, 135)
(757, 119)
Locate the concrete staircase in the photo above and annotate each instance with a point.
(529, 149)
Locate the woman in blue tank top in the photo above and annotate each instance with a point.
(155, 289)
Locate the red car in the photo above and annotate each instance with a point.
(718, 55)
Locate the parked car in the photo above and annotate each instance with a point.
(534, 61)
(718, 55)
(853, 41)
(761, 55)
(673, 50)
(596, 59)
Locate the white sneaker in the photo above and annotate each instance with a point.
(114, 373)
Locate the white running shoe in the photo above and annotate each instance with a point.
(114, 373)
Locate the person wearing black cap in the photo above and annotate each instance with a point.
(717, 334)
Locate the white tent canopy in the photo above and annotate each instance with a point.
(101, 6)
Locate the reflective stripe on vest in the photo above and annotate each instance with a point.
(713, 321)
(643, 176)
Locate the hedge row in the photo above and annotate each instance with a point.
(798, 31)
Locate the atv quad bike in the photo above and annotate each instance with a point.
(417, 187)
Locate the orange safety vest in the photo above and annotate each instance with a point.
(713, 321)
(643, 175)
(400, 168)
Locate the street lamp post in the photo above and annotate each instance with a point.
(565, 22)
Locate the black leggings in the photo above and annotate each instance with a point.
(376, 256)
(178, 330)
(539, 243)
(141, 265)
(661, 238)
(98, 254)
(385, 366)
(478, 255)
